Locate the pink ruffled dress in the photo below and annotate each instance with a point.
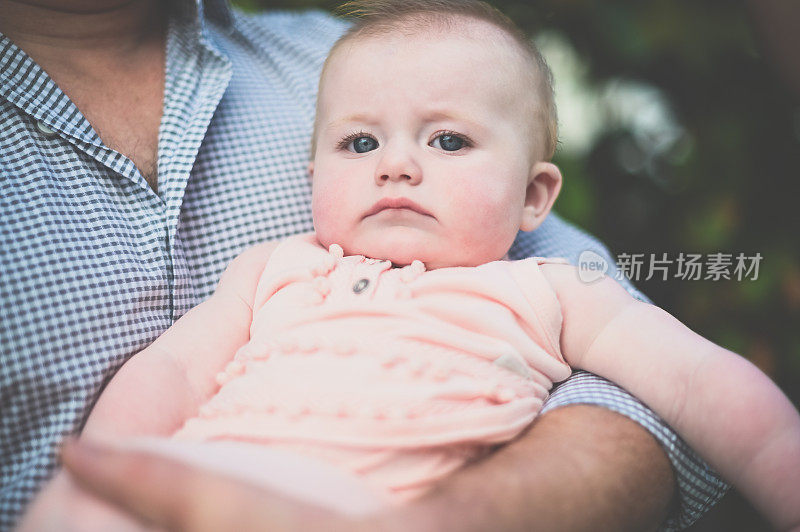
(396, 375)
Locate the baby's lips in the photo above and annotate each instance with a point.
(397, 203)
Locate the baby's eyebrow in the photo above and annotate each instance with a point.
(358, 117)
(438, 115)
(434, 115)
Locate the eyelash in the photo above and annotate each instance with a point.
(467, 141)
(358, 134)
(353, 136)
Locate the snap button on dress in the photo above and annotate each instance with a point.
(360, 285)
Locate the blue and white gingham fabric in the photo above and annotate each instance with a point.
(95, 265)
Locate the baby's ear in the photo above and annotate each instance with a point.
(311, 169)
(544, 184)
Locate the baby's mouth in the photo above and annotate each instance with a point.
(397, 204)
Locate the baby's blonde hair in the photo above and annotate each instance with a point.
(376, 17)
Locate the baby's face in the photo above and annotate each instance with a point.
(424, 148)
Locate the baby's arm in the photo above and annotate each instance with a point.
(162, 386)
(720, 403)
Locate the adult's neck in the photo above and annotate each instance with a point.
(54, 28)
(108, 57)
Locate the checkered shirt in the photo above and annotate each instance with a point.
(96, 265)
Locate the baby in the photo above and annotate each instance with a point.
(395, 344)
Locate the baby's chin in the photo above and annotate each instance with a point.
(399, 257)
(432, 259)
(402, 250)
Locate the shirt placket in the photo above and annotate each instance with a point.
(197, 76)
(56, 118)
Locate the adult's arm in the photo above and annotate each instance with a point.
(580, 467)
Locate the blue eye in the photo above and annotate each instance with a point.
(449, 142)
(362, 144)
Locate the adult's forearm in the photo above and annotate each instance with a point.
(578, 468)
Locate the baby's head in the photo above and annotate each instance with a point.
(435, 122)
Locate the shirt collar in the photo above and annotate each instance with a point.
(217, 10)
(202, 12)
(24, 84)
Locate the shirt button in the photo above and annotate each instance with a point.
(360, 285)
(45, 130)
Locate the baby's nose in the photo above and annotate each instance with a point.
(396, 177)
(398, 169)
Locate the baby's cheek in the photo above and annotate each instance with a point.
(492, 208)
(324, 209)
(490, 219)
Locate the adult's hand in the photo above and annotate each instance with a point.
(578, 468)
(169, 495)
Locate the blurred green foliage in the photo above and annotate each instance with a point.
(729, 186)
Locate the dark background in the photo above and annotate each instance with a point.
(719, 175)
